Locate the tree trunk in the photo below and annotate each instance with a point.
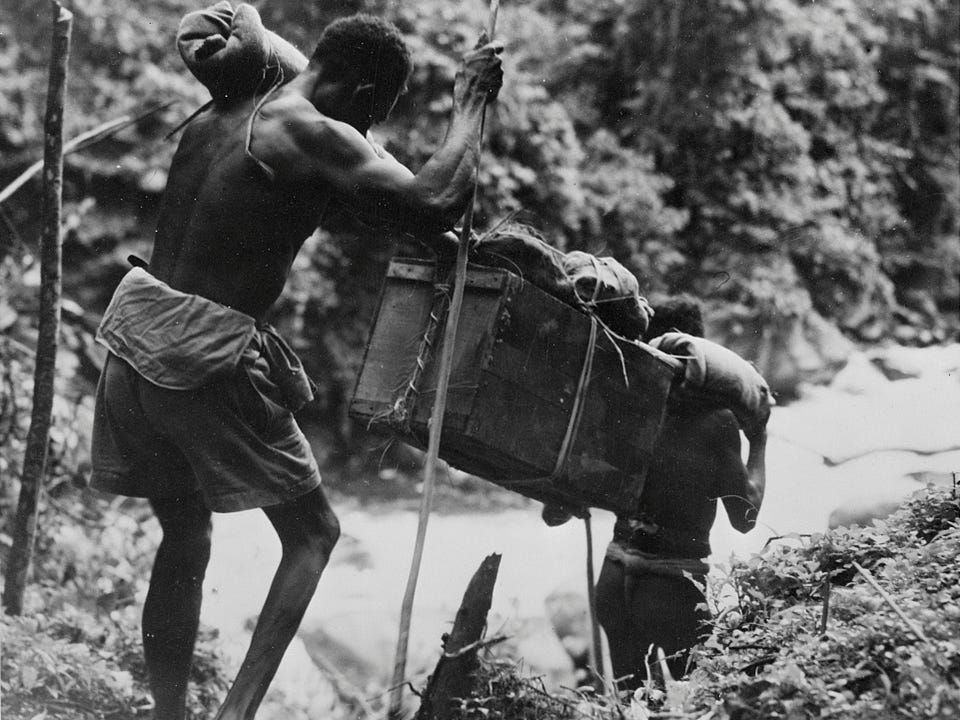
(35, 455)
(453, 676)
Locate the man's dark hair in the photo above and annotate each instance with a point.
(369, 50)
(681, 313)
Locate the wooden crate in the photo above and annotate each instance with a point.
(518, 362)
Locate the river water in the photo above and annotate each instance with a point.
(863, 440)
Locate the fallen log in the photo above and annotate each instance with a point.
(453, 676)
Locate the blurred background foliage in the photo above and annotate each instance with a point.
(795, 163)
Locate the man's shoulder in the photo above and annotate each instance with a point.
(292, 124)
(293, 113)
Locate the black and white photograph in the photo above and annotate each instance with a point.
(479, 359)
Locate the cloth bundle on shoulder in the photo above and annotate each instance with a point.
(602, 285)
(232, 53)
(718, 375)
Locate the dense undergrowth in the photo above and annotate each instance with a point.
(784, 646)
(805, 634)
(76, 651)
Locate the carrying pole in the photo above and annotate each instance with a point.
(436, 424)
(596, 644)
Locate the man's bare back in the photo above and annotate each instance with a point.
(249, 184)
(226, 231)
(195, 405)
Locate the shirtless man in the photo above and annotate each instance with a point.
(650, 589)
(194, 407)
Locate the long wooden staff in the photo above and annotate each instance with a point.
(436, 423)
(35, 455)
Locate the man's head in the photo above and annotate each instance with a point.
(681, 313)
(370, 55)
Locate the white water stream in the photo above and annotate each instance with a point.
(898, 433)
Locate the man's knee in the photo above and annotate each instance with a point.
(322, 522)
(186, 523)
(328, 530)
(182, 514)
(306, 523)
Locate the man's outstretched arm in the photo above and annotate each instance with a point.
(380, 190)
(740, 490)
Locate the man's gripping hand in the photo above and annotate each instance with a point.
(480, 76)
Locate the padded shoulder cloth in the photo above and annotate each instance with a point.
(232, 53)
(720, 376)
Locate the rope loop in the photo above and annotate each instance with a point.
(576, 412)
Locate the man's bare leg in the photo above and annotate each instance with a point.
(171, 612)
(308, 530)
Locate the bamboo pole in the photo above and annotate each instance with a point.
(436, 426)
(35, 455)
(596, 644)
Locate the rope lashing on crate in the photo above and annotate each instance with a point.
(590, 308)
(401, 414)
(576, 412)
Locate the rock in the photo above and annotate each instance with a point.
(933, 477)
(533, 642)
(568, 614)
(351, 551)
(909, 416)
(860, 376)
(862, 512)
(325, 649)
(300, 689)
(361, 642)
(905, 334)
(789, 351)
(900, 363)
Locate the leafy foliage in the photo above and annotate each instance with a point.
(73, 664)
(713, 146)
(769, 655)
(76, 651)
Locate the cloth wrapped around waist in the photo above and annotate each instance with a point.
(642, 534)
(181, 341)
(637, 562)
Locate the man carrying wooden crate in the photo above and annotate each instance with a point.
(650, 593)
(195, 403)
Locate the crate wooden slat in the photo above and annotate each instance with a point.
(516, 368)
